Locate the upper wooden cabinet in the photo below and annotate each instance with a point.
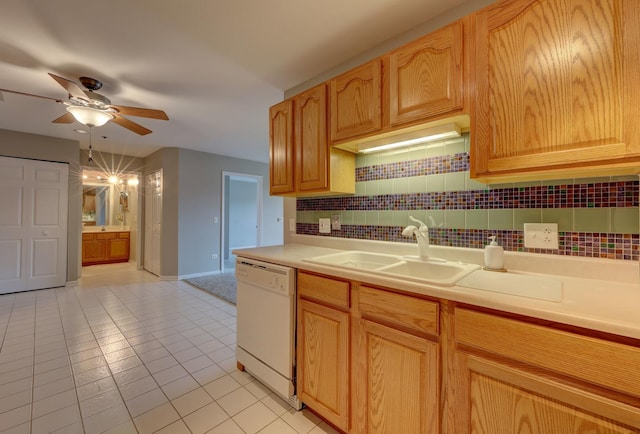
(557, 88)
(301, 161)
(281, 148)
(426, 77)
(356, 101)
(310, 132)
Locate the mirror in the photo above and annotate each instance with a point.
(95, 206)
(108, 200)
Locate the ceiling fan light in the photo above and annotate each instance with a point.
(90, 116)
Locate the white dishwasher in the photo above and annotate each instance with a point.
(266, 321)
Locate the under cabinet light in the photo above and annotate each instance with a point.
(428, 135)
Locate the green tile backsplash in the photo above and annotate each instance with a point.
(432, 183)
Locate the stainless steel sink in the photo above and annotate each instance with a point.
(438, 273)
(355, 259)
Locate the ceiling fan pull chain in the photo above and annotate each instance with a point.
(90, 147)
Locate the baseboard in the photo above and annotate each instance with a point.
(168, 278)
(72, 283)
(192, 276)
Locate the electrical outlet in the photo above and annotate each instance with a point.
(292, 225)
(214, 256)
(541, 235)
(335, 222)
(324, 226)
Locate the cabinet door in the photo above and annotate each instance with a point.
(118, 248)
(310, 132)
(513, 376)
(281, 153)
(323, 363)
(356, 101)
(398, 375)
(93, 250)
(556, 86)
(426, 76)
(495, 398)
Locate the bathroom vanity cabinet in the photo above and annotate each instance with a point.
(105, 247)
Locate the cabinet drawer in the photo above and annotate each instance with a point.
(88, 237)
(123, 235)
(324, 289)
(106, 235)
(409, 312)
(610, 364)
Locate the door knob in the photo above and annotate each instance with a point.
(45, 233)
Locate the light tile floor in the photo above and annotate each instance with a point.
(126, 353)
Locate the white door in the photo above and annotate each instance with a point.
(33, 224)
(152, 221)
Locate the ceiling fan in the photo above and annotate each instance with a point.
(93, 109)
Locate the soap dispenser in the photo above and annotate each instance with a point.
(494, 255)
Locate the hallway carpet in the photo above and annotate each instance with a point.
(221, 285)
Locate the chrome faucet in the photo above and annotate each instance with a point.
(422, 236)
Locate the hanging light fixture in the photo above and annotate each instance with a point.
(89, 116)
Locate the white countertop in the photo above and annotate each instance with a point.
(106, 229)
(598, 294)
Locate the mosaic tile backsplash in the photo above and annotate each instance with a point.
(597, 217)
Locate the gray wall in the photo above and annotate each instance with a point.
(192, 195)
(36, 147)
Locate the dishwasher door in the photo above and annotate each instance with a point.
(266, 323)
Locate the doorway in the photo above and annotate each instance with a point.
(241, 215)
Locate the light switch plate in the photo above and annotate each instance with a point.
(541, 235)
(324, 226)
(292, 225)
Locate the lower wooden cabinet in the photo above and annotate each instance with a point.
(516, 377)
(398, 380)
(368, 358)
(105, 247)
(323, 364)
(377, 360)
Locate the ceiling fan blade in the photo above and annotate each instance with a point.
(141, 112)
(130, 125)
(70, 86)
(30, 94)
(66, 118)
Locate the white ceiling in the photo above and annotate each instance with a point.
(214, 66)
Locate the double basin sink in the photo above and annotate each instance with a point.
(446, 273)
(433, 271)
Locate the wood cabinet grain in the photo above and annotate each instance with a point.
(426, 77)
(105, 247)
(514, 375)
(301, 161)
(556, 89)
(281, 151)
(356, 101)
(323, 356)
